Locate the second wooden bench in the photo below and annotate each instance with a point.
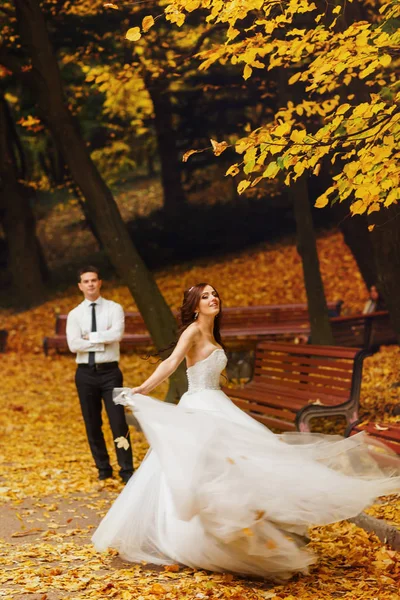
(294, 384)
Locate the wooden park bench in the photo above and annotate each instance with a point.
(240, 325)
(364, 331)
(294, 384)
(388, 433)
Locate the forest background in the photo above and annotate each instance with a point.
(248, 114)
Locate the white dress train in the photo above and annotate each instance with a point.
(219, 491)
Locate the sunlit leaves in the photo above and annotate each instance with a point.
(326, 60)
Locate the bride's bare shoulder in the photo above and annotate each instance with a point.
(192, 331)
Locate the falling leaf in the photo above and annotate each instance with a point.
(122, 442)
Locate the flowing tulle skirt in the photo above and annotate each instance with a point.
(219, 491)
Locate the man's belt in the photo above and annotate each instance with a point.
(99, 366)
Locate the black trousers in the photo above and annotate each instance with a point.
(94, 385)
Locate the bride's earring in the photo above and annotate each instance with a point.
(196, 314)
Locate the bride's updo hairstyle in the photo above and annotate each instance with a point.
(191, 299)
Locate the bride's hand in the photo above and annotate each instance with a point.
(136, 390)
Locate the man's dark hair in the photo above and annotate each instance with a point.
(88, 269)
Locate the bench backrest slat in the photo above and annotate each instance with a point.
(310, 371)
(236, 316)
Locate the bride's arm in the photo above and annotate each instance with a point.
(170, 364)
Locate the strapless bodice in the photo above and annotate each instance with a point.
(205, 374)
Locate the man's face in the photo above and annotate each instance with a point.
(90, 285)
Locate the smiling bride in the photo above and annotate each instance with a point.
(220, 491)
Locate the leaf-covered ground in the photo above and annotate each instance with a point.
(51, 499)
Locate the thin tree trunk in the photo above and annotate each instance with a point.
(357, 238)
(101, 204)
(174, 195)
(321, 332)
(385, 239)
(16, 199)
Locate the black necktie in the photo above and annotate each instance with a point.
(94, 328)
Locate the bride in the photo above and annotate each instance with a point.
(218, 490)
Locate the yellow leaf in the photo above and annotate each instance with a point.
(192, 5)
(133, 34)
(282, 129)
(371, 227)
(385, 60)
(358, 207)
(188, 154)
(272, 170)
(147, 23)
(110, 5)
(343, 108)
(322, 201)
(247, 72)
(243, 185)
(297, 136)
(218, 147)
(158, 589)
(373, 207)
(233, 170)
(294, 78)
(122, 442)
(171, 568)
(337, 10)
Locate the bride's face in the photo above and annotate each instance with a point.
(209, 304)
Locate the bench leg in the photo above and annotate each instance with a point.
(304, 417)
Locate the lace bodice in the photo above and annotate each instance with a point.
(205, 374)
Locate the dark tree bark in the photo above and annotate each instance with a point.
(385, 239)
(174, 195)
(104, 211)
(25, 259)
(356, 236)
(321, 332)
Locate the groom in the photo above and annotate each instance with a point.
(94, 330)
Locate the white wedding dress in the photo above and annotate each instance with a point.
(219, 491)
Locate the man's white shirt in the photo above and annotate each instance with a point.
(110, 325)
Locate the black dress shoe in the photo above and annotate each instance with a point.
(105, 475)
(126, 477)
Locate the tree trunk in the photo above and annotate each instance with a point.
(101, 204)
(16, 199)
(385, 239)
(174, 195)
(357, 238)
(321, 332)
